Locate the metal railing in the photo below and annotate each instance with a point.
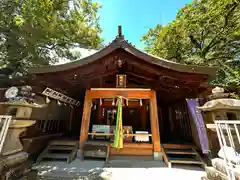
(228, 136)
(4, 125)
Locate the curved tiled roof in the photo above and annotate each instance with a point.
(121, 43)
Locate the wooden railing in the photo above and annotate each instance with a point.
(228, 136)
(49, 125)
(4, 125)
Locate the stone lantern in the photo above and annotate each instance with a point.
(13, 160)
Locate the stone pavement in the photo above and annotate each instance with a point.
(116, 169)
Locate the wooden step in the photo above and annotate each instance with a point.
(56, 147)
(180, 154)
(178, 146)
(185, 161)
(180, 151)
(69, 147)
(55, 156)
(64, 142)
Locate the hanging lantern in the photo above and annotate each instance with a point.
(47, 100)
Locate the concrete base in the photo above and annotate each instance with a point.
(79, 153)
(157, 155)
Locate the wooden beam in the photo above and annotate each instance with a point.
(131, 104)
(154, 123)
(140, 76)
(158, 86)
(138, 63)
(113, 92)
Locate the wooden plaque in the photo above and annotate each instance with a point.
(121, 81)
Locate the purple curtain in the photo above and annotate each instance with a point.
(199, 122)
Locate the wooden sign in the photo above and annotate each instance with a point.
(101, 128)
(121, 81)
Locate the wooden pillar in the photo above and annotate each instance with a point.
(85, 119)
(154, 123)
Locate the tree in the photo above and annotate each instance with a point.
(205, 32)
(39, 32)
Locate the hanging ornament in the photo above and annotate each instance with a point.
(59, 103)
(47, 100)
(141, 103)
(91, 104)
(113, 102)
(127, 102)
(100, 102)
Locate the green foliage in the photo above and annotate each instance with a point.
(39, 32)
(205, 32)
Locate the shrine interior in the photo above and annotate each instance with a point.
(174, 120)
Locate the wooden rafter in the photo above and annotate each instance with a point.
(160, 71)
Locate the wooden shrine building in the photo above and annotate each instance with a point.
(156, 90)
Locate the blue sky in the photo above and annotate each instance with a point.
(136, 17)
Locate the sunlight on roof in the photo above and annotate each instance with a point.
(83, 53)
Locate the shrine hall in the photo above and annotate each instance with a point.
(152, 90)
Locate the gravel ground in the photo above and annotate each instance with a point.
(116, 170)
(151, 174)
